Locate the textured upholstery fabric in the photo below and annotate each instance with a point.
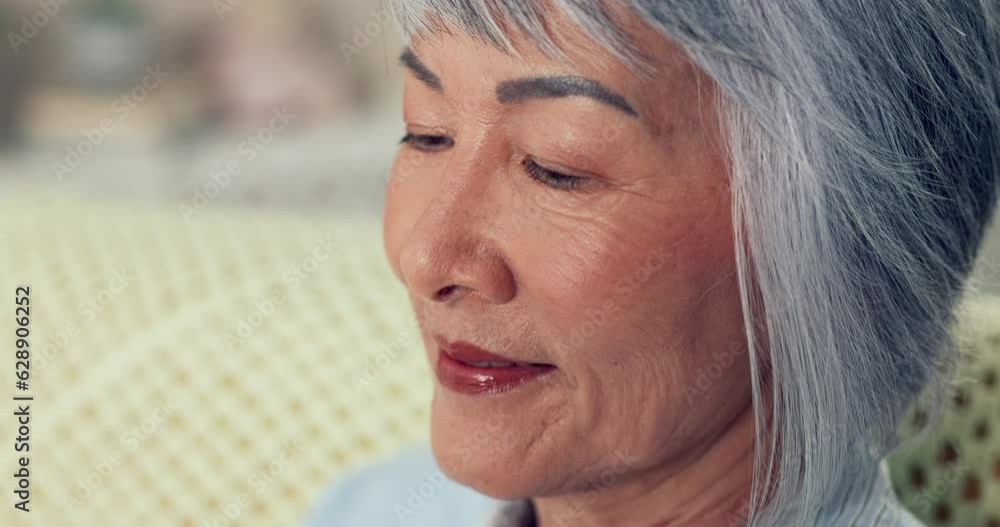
(273, 417)
(171, 389)
(950, 475)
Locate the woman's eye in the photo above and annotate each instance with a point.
(428, 143)
(552, 178)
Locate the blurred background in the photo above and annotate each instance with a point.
(192, 189)
(182, 84)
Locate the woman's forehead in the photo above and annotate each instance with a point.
(674, 85)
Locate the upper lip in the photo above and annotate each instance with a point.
(470, 353)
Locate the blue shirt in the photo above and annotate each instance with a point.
(411, 491)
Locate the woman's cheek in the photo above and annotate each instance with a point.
(582, 285)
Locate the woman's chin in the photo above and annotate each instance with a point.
(483, 452)
(487, 474)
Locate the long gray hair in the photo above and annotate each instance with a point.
(865, 147)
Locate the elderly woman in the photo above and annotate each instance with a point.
(680, 262)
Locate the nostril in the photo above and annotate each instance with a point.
(446, 293)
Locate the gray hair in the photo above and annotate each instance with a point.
(865, 148)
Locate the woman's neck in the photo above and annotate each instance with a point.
(710, 487)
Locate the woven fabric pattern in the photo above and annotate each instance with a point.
(950, 475)
(165, 387)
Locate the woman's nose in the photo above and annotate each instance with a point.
(449, 256)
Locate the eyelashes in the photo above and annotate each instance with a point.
(550, 178)
(428, 143)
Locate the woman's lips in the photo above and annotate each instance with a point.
(469, 369)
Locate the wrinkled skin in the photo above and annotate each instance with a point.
(625, 282)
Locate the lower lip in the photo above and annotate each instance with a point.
(474, 380)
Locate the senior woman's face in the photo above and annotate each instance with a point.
(564, 231)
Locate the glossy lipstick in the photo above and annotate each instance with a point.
(469, 369)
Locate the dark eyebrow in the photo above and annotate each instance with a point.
(561, 86)
(411, 61)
